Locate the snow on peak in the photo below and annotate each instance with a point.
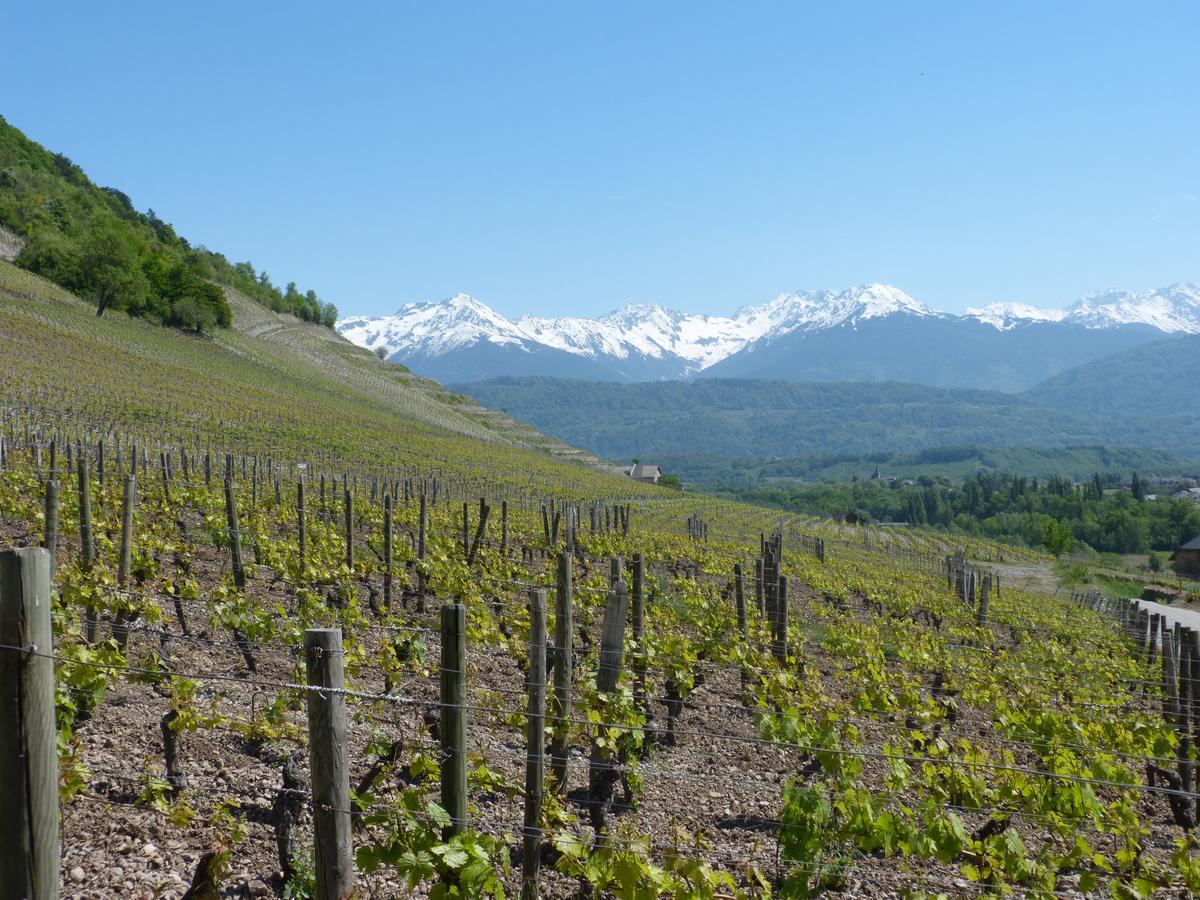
(1172, 309)
(694, 341)
(1005, 315)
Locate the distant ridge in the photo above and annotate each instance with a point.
(869, 332)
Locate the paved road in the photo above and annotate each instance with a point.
(1187, 617)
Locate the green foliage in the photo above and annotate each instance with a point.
(1057, 537)
(92, 241)
(723, 421)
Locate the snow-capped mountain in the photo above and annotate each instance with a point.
(1004, 315)
(648, 332)
(1174, 309)
(868, 332)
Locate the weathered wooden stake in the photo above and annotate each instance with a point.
(602, 771)
(535, 753)
(29, 837)
(349, 522)
(301, 524)
(454, 717)
(981, 612)
(739, 596)
(87, 544)
(235, 536)
(563, 672)
(120, 627)
(387, 552)
(328, 762)
(780, 620)
(50, 533)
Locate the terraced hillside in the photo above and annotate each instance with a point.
(271, 381)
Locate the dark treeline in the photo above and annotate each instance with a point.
(93, 242)
(1007, 507)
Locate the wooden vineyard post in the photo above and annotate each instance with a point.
(759, 580)
(454, 717)
(779, 642)
(125, 559)
(638, 621)
(50, 535)
(1153, 647)
(466, 526)
(503, 527)
(29, 837)
(1192, 673)
(602, 771)
(301, 525)
(349, 524)
(480, 530)
(981, 613)
(387, 552)
(563, 673)
(1183, 706)
(535, 752)
(327, 725)
(739, 597)
(235, 536)
(421, 528)
(87, 544)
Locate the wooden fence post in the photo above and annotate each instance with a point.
(422, 526)
(982, 611)
(29, 838)
(349, 523)
(50, 533)
(780, 619)
(739, 597)
(235, 536)
(87, 544)
(301, 524)
(454, 717)
(120, 625)
(535, 752)
(760, 577)
(564, 666)
(328, 763)
(387, 552)
(602, 771)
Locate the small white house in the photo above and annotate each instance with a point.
(642, 472)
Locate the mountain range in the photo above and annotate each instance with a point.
(872, 332)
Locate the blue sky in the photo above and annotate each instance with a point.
(557, 158)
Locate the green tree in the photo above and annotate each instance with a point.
(109, 271)
(1057, 537)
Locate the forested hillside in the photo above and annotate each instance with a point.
(737, 419)
(91, 240)
(1158, 379)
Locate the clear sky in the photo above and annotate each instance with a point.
(571, 157)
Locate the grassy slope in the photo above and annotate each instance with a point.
(271, 383)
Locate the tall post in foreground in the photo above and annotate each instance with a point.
(563, 672)
(327, 724)
(535, 753)
(454, 716)
(29, 840)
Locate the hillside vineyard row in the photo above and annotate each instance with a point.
(727, 710)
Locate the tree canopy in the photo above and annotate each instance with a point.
(92, 241)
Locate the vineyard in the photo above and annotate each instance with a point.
(318, 630)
